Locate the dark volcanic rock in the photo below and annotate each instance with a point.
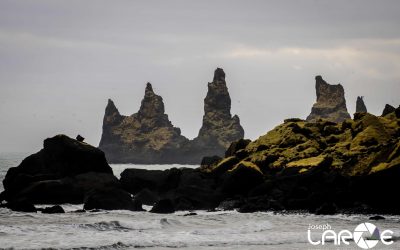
(388, 109)
(145, 137)
(377, 217)
(64, 171)
(236, 146)
(360, 105)
(149, 137)
(210, 160)
(61, 157)
(53, 210)
(21, 206)
(331, 103)
(134, 180)
(163, 207)
(219, 128)
(111, 199)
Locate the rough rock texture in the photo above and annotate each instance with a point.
(360, 105)
(144, 137)
(219, 128)
(319, 166)
(331, 103)
(388, 109)
(149, 137)
(64, 171)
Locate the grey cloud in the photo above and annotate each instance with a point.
(61, 60)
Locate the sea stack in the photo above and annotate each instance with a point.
(331, 103)
(147, 136)
(360, 105)
(219, 128)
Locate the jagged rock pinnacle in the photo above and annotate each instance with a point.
(360, 105)
(219, 75)
(149, 88)
(331, 103)
(388, 109)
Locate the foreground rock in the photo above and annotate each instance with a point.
(111, 199)
(321, 167)
(64, 171)
(148, 137)
(331, 103)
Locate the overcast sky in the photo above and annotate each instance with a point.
(61, 60)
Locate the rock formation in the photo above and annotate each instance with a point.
(388, 109)
(149, 137)
(331, 103)
(144, 137)
(360, 105)
(219, 128)
(64, 171)
(322, 167)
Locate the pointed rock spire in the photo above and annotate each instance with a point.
(331, 103)
(388, 109)
(152, 105)
(219, 75)
(111, 109)
(360, 105)
(219, 128)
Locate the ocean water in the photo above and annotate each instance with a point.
(205, 230)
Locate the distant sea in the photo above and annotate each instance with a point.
(206, 230)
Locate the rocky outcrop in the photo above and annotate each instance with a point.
(331, 103)
(322, 167)
(219, 127)
(149, 137)
(360, 105)
(388, 109)
(64, 171)
(346, 166)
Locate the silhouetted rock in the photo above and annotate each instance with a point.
(80, 138)
(61, 157)
(147, 197)
(53, 210)
(210, 160)
(388, 109)
(149, 137)
(331, 103)
(111, 199)
(377, 217)
(21, 206)
(360, 105)
(163, 207)
(64, 171)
